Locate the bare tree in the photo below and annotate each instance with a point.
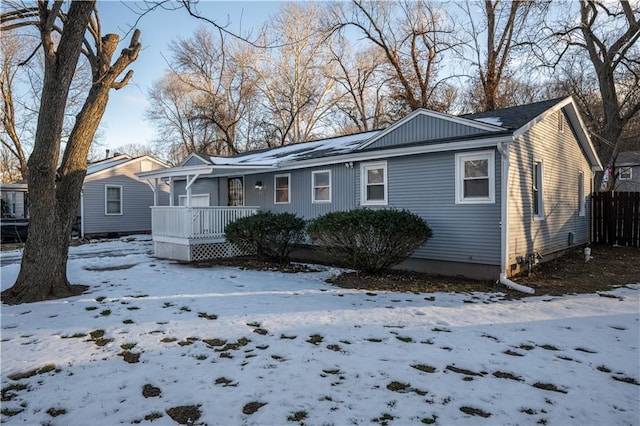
(173, 110)
(14, 50)
(607, 33)
(9, 167)
(360, 75)
(414, 37)
(55, 191)
(501, 25)
(292, 77)
(220, 81)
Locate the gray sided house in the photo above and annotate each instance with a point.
(628, 171)
(500, 190)
(115, 201)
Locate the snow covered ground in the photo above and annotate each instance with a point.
(249, 347)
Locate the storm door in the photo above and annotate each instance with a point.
(235, 191)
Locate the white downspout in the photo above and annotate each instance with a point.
(504, 228)
(82, 214)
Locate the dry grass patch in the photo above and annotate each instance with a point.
(252, 407)
(185, 415)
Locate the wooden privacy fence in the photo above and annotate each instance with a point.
(615, 217)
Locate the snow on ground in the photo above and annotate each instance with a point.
(221, 338)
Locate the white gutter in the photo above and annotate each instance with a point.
(504, 148)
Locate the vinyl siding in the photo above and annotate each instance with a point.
(342, 193)
(425, 185)
(194, 161)
(424, 128)
(200, 186)
(563, 160)
(137, 197)
(629, 185)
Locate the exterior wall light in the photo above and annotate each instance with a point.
(258, 185)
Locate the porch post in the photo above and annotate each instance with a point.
(171, 191)
(190, 181)
(155, 192)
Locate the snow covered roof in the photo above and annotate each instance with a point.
(497, 123)
(490, 120)
(298, 151)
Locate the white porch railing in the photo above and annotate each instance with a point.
(195, 222)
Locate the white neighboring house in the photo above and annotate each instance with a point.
(15, 195)
(115, 201)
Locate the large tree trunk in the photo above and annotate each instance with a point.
(55, 193)
(43, 273)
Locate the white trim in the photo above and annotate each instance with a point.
(183, 171)
(376, 155)
(91, 176)
(459, 120)
(540, 190)
(505, 150)
(581, 195)
(363, 183)
(577, 125)
(106, 201)
(82, 213)
(460, 159)
(199, 157)
(275, 188)
(314, 186)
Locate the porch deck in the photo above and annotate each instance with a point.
(194, 233)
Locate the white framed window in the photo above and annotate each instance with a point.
(321, 186)
(373, 183)
(581, 199)
(538, 189)
(475, 177)
(282, 189)
(113, 199)
(625, 173)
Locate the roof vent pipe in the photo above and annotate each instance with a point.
(519, 287)
(107, 154)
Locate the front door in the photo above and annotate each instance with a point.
(235, 191)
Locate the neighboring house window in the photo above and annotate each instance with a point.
(475, 180)
(581, 200)
(113, 199)
(282, 189)
(625, 173)
(374, 183)
(538, 186)
(321, 182)
(146, 166)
